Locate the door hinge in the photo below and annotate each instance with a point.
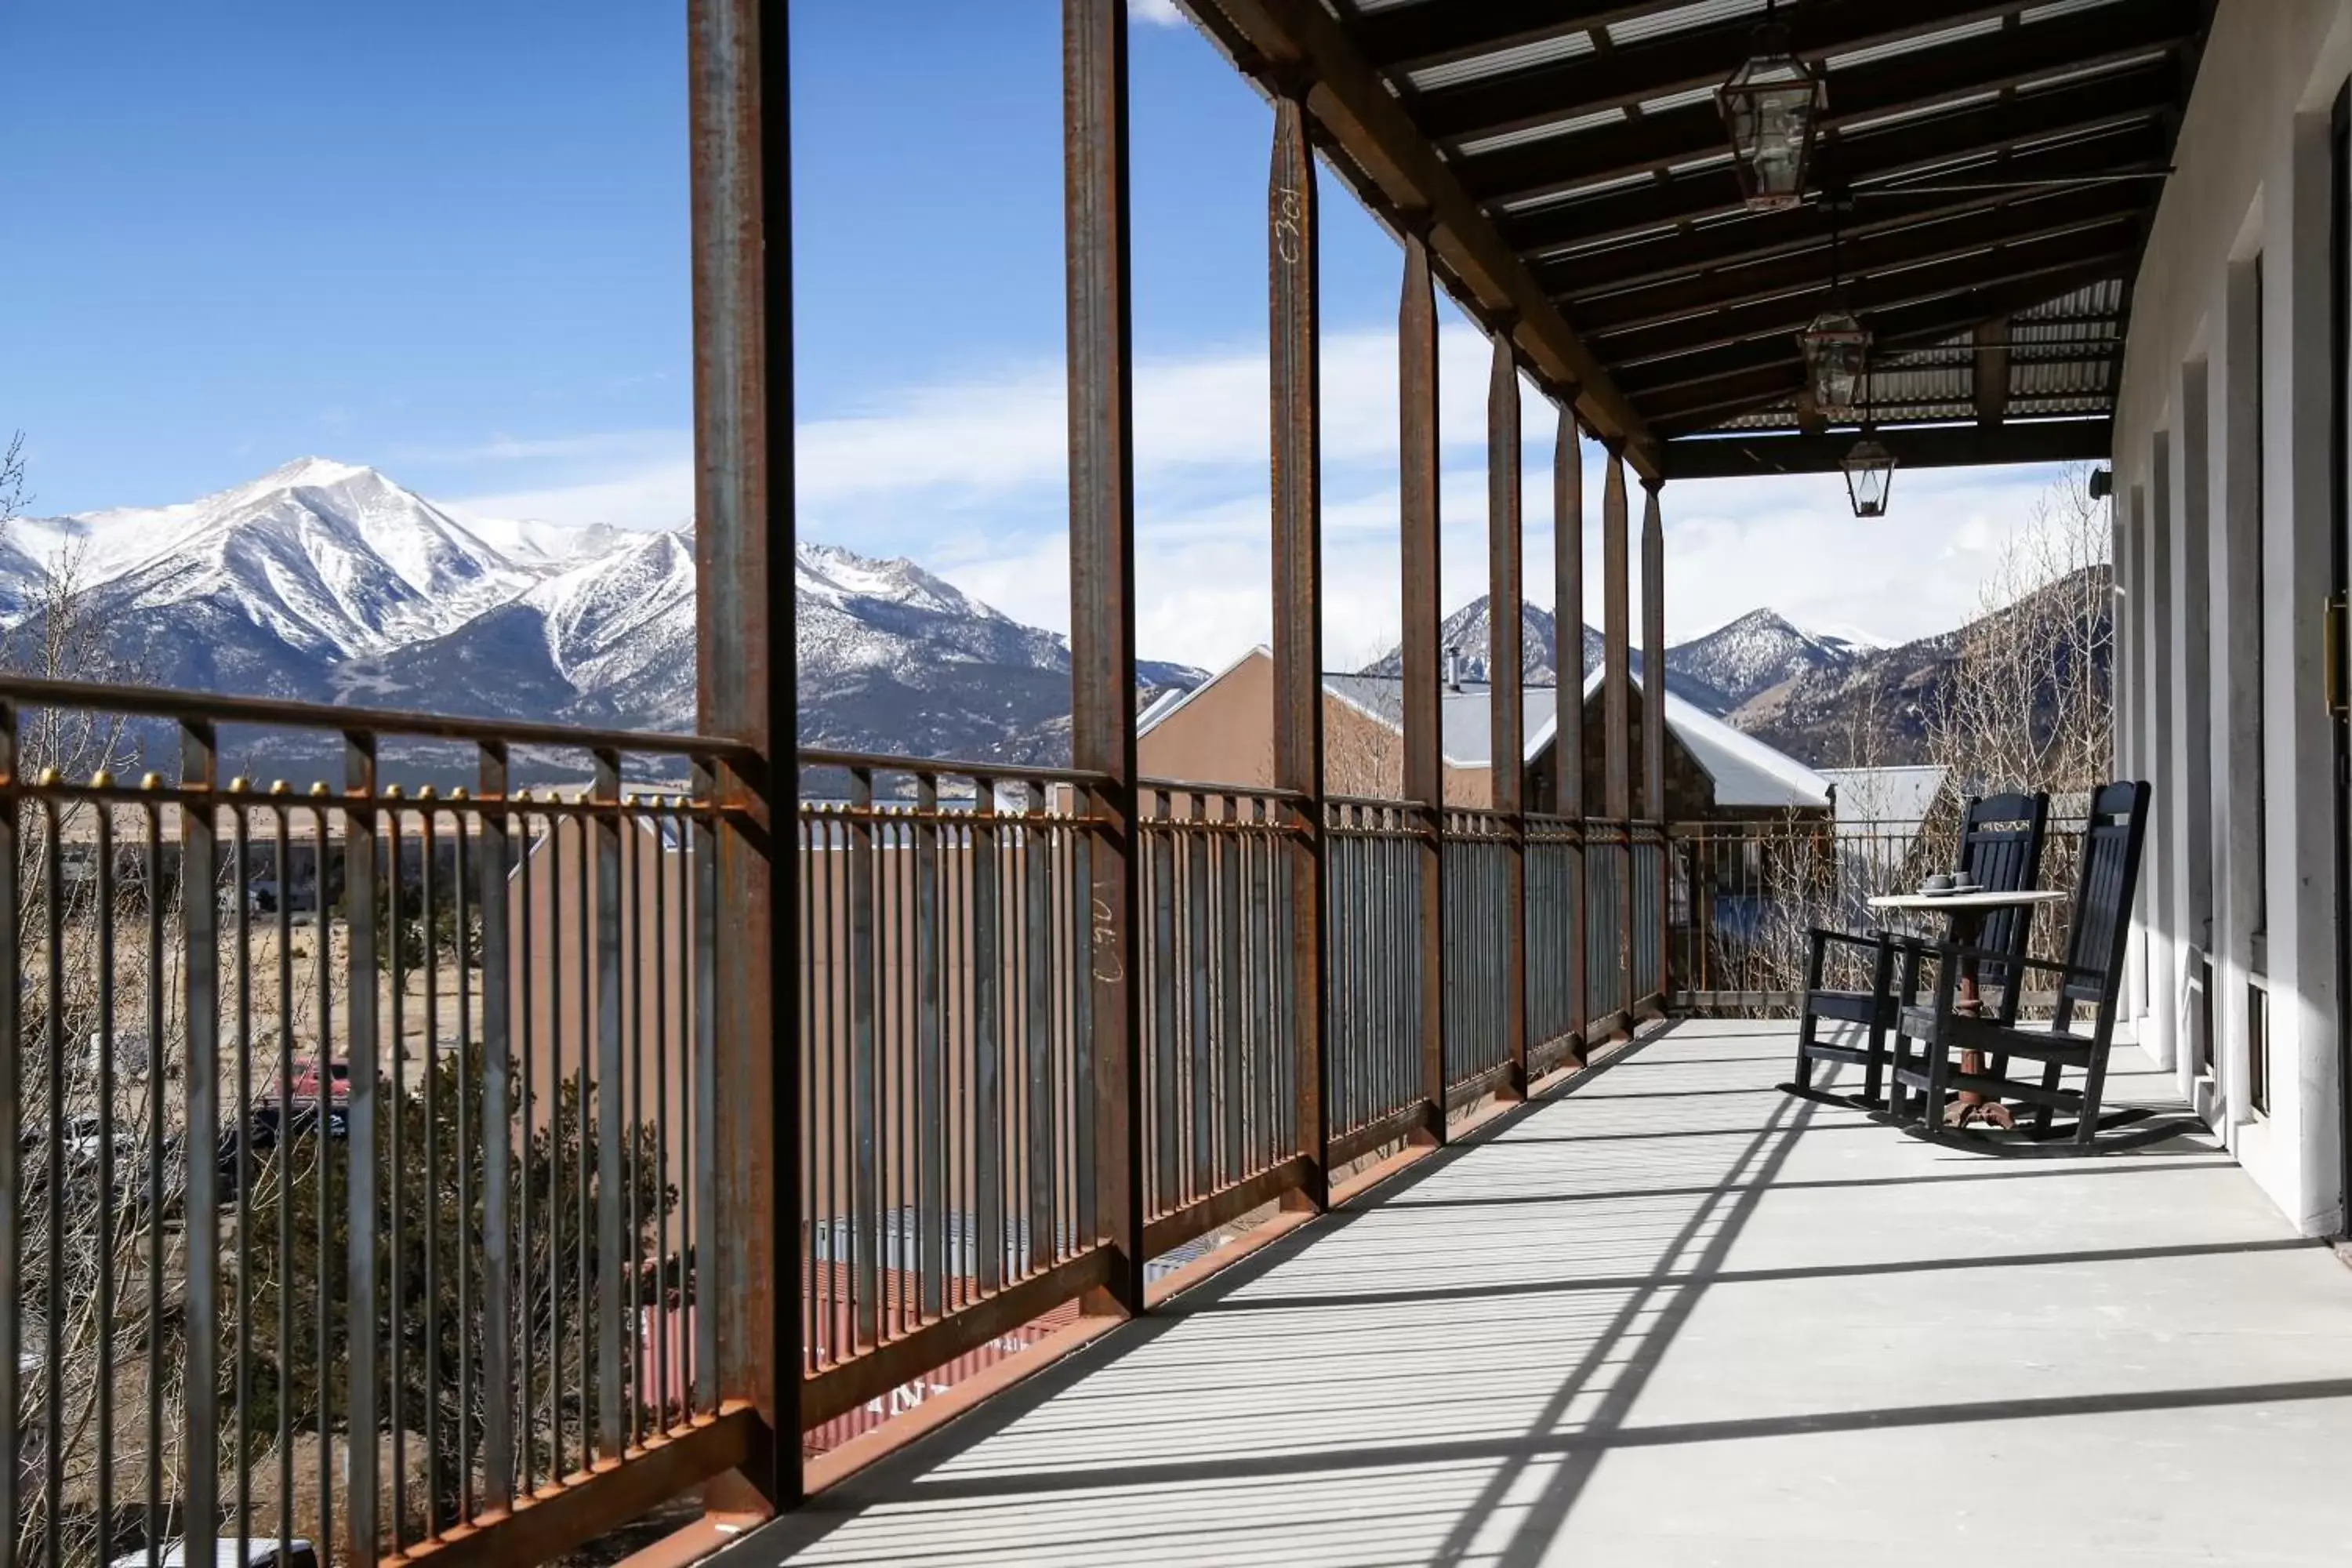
(2332, 655)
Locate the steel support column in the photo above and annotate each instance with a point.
(1424, 762)
(1616, 702)
(1568, 658)
(1102, 600)
(1294, 342)
(1505, 671)
(1653, 700)
(741, 125)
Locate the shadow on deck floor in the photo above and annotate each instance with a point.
(1677, 1318)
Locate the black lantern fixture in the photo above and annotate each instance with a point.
(1770, 106)
(1837, 349)
(1869, 475)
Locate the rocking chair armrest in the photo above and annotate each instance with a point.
(1951, 952)
(1853, 939)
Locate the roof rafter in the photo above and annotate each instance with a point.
(1964, 70)
(2042, 215)
(1672, 255)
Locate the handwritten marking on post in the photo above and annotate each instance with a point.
(1288, 231)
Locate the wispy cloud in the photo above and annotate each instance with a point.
(1157, 13)
(970, 478)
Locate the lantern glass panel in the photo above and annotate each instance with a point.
(1869, 477)
(1837, 351)
(1768, 107)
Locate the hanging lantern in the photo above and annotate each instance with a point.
(1837, 351)
(1869, 476)
(1771, 107)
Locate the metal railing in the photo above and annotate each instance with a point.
(1742, 897)
(371, 1185)
(362, 1189)
(1220, 1059)
(1372, 930)
(1479, 846)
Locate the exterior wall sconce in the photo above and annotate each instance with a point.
(1837, 351)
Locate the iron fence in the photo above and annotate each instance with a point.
(1608, 907)
(1479, 846)
(947, 1142)
(1555, 915)
(1743, 896)
(1372, 870)
(361, 1174)
(1220, 1056)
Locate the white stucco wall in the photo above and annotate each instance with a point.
(2231, 400)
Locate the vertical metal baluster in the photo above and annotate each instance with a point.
(1232, 1164)
(200, 916)
(630, 826)
(152, 821)
(1037, 939)
(12, 1232)
(429, 1187)
(583, 1132)
(604, 826)
(987, 1245)
(109, 1202)
(1199, 965)
(281, 824)
(322, 973)
(53, 1359)
(1166, 975)
(465, 1241)
(930, 1154)
(669, 1055)
(396, 1159)
(866, 1204)
(811, 872)
(704, 1078)
(531, 1040)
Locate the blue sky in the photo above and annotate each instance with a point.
(450, 240)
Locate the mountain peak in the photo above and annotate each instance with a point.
(313, 471)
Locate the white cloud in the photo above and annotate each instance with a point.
(1156, 13)
(971, 478)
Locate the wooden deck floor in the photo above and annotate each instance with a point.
(1675, 1317)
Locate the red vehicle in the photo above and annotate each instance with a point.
(305, 1082)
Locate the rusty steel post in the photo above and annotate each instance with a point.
(1616, 705)
(1293, 338)
(1568, 658)
(1506, 677)
(1653, 700)
(1102, 599)
(742, 190)
(1424, 762)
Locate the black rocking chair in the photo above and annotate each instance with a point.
(2000, 848)
(2091, 976)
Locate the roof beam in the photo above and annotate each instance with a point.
(2042, 215)
(1636, 348)
(1374, 145)
(1746, 375)
(1763, 236)
(1871, 161)
(1989, 376)
(1673, 62)
(1966, 68)
(1412, 37)
(1925, 446)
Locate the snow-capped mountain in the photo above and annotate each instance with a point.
(1755, 653)
(1467, 632)
(328, 582)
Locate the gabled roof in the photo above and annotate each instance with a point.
(1745, 772)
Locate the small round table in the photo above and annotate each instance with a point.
(1967, 913)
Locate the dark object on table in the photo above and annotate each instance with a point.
(2091, 976)
(2000, 851)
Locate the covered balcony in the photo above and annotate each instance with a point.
(502, 1143)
